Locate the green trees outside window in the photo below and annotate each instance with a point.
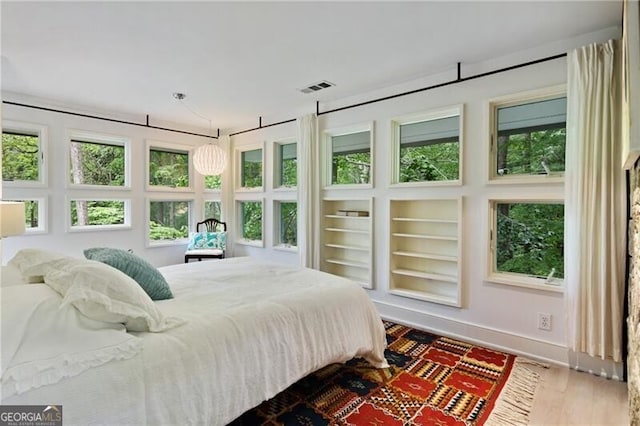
(251, 169)
(168, 220)
(168, 168)
(530, 239)
(212, 209)
(213, 182)
(93, 163)
(288, 223)
(20, 157)
(351, 158)
(251, 219)
(103, 212)
(288, 162)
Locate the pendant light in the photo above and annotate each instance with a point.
(209, 159)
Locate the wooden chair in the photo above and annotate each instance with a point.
(209, 225)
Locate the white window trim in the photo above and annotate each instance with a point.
(238, 220)
(238, 168)
(277, 185)
(42, 132)
(42, 214)
(278, 245)
(169, 146)
(92, 228)
(436, 114)
(510, 278)
(491, 140)
(149, 243)
(327, 153)
(104, 139)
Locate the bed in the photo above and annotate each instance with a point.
(236, 332)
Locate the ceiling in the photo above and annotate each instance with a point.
(236, 61)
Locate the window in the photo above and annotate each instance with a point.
(168, 220)
(98, 160)
(286, 165)
(169, 167)
(349, 158)
(528, 138)
(250, 221)
(98, 214)
(251, 168)
(527, 242)
(213, 209)
(427, 148)
(34, 215)
(23, 153)
(287, 225)
(213, 182)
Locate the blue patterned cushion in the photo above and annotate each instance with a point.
(142, 272)
(207, 240)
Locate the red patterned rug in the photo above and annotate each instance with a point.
(431, 380)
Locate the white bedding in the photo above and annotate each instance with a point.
(252, 330)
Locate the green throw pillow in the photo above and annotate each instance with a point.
(149, 278)
(207, 240)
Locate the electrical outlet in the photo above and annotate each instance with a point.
(544, 321)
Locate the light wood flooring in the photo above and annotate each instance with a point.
(569, 397)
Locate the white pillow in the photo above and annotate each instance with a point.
(43, 342)
(32, 262)
(10, 275)
(103, 293)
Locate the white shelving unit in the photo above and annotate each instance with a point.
(425, 249)
(346, 240)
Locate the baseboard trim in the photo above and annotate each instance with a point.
(525, 346)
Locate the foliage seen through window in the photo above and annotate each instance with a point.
(20, 157)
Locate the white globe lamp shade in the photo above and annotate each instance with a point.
(209, 160)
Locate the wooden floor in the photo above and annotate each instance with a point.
(569, 397)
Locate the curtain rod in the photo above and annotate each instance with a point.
(113, 120)
(459, 79)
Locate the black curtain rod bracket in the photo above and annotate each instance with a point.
(112, 120)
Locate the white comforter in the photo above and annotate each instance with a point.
(253, 329)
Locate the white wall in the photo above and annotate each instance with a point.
(499, 315)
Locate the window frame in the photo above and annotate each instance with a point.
(513, 278)
(204, 209)
(168, 147)
(431, 115)
(238, 169)
(277, 164)
(327, 155)
(102, 139)
(93, 228)
(41, 131)
(277, 212)
(211, 190)
(520, 98)
(239, 224)
(149, 243)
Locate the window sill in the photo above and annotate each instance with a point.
(250, 243)
(526, 282)
(457, 182)
(527, 180)
(285, 189)
(253, 189)
(151, 188)
(98, 187)
(23, 184)
(349, 186)
(167, 243)
(99, 228)
(287, 248)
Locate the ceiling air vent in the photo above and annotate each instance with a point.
(317, 86)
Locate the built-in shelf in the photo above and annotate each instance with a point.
(346, 240)
(425, 250)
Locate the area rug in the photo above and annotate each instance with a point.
(431, 380)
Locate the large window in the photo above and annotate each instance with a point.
(23, 153)
(98, 214)
(251, 168)
(527, 242)
(287, 223)
(428, 148)
(528, 138)
(168, 220)
(169, 167)
(349, 157)
(98, 160)
(286, 165)
(213, 182)
(250, 220)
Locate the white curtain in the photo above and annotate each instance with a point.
(595, 205)
(224, 142)
(308, 191)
